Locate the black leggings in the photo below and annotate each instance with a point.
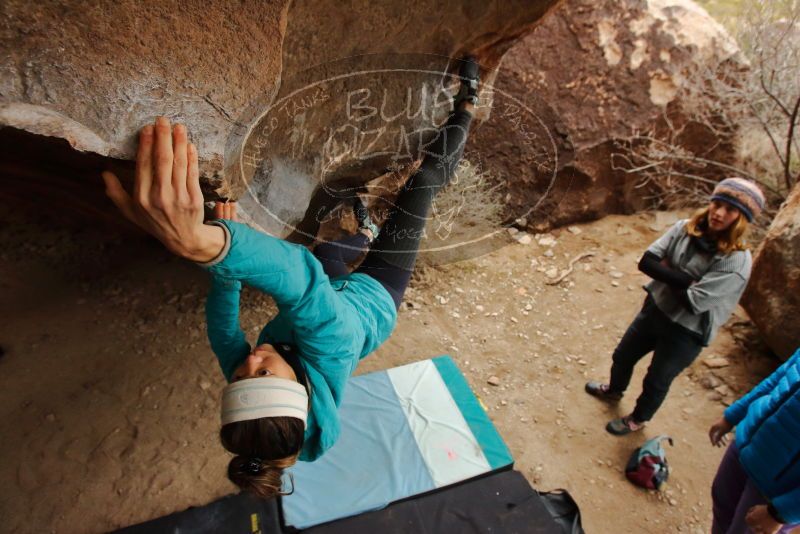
(674, 349)
(393, 254)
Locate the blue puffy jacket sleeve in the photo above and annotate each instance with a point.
(738, 410)
(222, 324)
(788, 506)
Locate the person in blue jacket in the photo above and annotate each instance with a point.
(281, 401)
(758, 481)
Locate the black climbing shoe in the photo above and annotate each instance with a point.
(362, 217)
(602, 392)
(469, 74)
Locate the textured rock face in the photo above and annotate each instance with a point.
(602, 71)
(260, 85)
(95, 72)
(772, 298)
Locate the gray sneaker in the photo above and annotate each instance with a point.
(623, 425)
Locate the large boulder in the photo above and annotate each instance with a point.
(772, 298)
(590, 76)
(280, 97)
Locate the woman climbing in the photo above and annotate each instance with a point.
(699, 268)
(282, 399)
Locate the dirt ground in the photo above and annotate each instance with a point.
(109, 390)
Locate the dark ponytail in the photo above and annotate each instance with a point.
(264, 448)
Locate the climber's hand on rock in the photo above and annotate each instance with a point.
(167, 201)
(226, 210)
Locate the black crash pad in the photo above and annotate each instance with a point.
(502, 502)
(234, 514)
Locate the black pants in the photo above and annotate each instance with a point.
(674, 349)
(336, 255)
(393, 254)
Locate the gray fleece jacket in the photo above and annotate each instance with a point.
(721, 280)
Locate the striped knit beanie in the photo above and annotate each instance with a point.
(743, 194)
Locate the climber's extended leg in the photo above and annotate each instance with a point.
(393, 255)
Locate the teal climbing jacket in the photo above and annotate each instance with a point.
(333, 323)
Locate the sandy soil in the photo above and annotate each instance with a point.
(108, 389)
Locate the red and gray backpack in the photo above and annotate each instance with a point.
(648, 465)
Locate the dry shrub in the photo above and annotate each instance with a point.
(465, 216)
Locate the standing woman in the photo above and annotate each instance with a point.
(699, 268)
(282, 401)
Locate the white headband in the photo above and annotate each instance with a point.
(265, 396)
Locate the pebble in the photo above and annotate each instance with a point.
(710, 382)
(205, 385)
(574, 230)
(547, 241)
(524, 239)
(552, 272)
(512, 231)
(493, 381)
(615, 274)
(548, 253)
(615, 283)
(673, 502)
(716, 363)
(723, 390)
(51, 418)
(479, 308)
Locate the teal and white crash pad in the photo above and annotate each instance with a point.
(404, 431)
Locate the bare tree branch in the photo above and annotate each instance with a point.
(768, 132)
(789, 136)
